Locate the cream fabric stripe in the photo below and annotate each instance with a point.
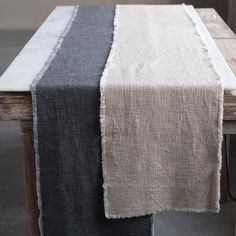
(161, 115)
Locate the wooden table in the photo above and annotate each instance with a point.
(17, 106)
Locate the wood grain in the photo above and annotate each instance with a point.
(15, 98)
(227, 48)
(32, 211)
(229, 106)
(15, 106)
(215, 24)
(15, 112)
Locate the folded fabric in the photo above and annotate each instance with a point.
(67, 132)
(161, 113)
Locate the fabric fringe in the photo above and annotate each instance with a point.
(206, 47)
(34, 102)
(103, 109)
(152, 212)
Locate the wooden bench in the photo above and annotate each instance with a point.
(17, 106)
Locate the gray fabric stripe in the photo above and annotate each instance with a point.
(35, 119)
(69, 138)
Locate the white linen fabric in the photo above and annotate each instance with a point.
(161, 114)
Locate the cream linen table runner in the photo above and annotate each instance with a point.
(161, 113)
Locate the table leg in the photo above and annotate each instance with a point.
(225, 164)
(29, 178)
(224, 183)
(235, 227)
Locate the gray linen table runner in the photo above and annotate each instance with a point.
(67, 133)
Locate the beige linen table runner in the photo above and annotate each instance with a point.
(161, 114)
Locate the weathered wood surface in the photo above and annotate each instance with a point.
(15, 106)
(227, 48)
(215, 24)
(18, 98)
(31, 206)
(229, 106)
(226, 41)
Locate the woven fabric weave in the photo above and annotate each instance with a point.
(68, 139)
(161, 115)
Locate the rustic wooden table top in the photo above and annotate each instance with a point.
(18, 106)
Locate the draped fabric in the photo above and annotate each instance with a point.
(66, 102)
(161, 113)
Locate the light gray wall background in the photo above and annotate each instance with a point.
(29, 14)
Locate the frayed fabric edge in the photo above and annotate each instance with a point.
(103, 109)
(34, 102)
(206, 41)
(152, 212)
(209, 45)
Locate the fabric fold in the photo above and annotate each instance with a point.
(66, 104)
(161, 114)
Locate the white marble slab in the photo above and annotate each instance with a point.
(32, 58)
